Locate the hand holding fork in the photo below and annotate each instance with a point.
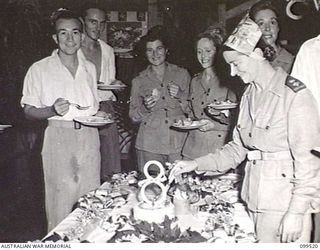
(78, 106)
(61, 106)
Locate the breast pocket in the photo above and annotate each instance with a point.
(270, 125)
(263, 123)
(271, 132)
(269, 122)
(243, 126)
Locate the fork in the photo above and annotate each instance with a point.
(78, 106)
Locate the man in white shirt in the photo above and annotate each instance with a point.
(102, 56)
(71, 159)
(306, 68)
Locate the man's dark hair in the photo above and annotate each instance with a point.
(64, 14)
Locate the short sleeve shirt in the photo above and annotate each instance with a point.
(48, 80)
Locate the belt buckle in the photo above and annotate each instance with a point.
(77, 125)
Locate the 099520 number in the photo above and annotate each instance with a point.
(309, 245)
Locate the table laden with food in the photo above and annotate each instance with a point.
(194, 208)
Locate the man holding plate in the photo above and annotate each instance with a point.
(101, 55)
(57, 88)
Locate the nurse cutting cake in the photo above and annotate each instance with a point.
(275, 135)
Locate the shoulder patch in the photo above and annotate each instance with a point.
(294, 84)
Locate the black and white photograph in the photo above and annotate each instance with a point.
(159, 121)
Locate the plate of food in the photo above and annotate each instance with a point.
(188, 124)
(112, 86)
(94, 121)
(222, 105)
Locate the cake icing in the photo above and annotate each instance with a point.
(145, 212)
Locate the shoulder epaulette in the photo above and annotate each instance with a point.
(294, 84)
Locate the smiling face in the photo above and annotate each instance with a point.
(241, 65)
(68, 35)
(206, 52)
(94, 22)
(156, 52)
(268, 23)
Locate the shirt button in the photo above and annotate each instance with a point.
(254, 162)
(283, 175)
(250, 135)
(192, 98)
(202, 103)
(215, 100)
(267, 127)
(201, 113)
(238, 126)
(163, 98)
(219, 135)
(166, 121)
(145, 123)
(161, 85)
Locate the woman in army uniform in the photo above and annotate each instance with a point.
(278, 126)
(156, 97)
(265, 15)
(206, 88)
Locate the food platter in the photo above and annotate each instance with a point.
(94, 121)
(220, 105)
(188, 124)
(3, 127)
